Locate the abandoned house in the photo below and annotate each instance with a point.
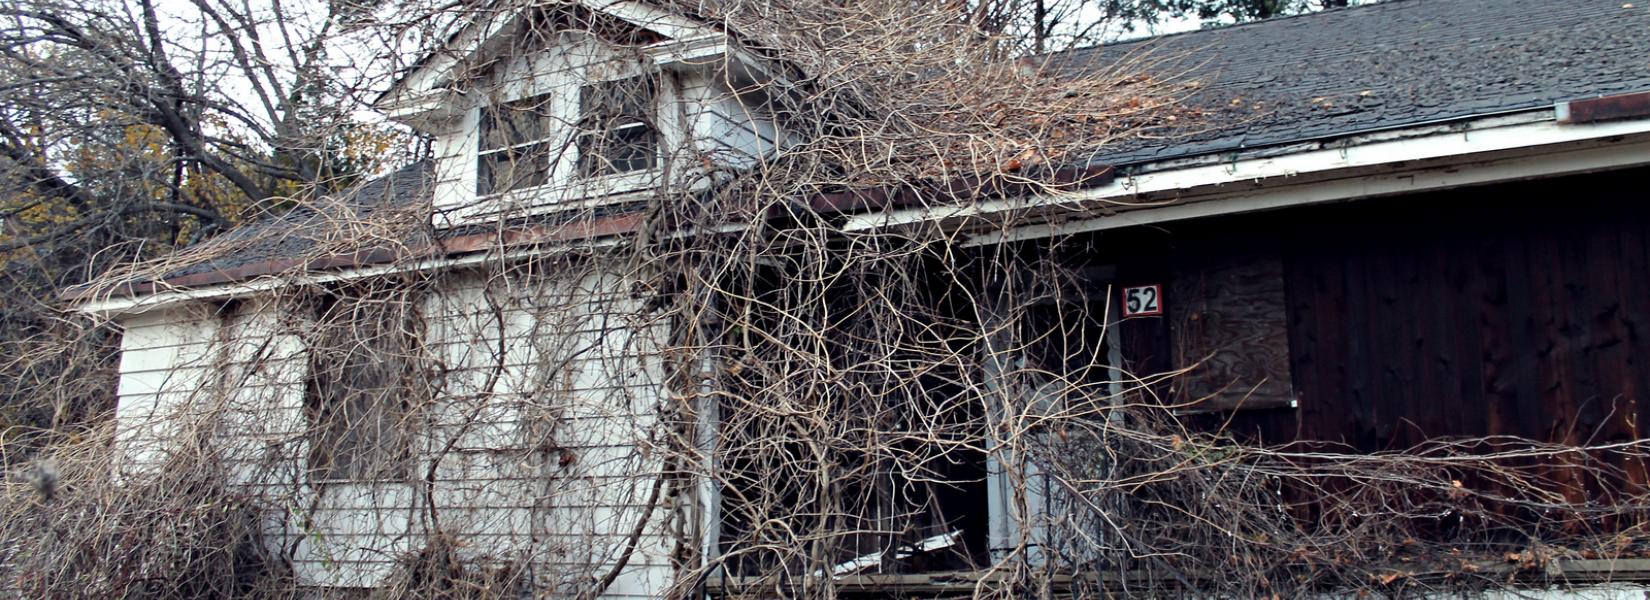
(1393, 225)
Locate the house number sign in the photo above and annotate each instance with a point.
(1143, 300)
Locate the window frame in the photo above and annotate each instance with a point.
(322, 406)
(549, 134)
(560, 74)
(583, 129)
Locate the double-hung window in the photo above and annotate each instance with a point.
(516, 150)
(616, 130)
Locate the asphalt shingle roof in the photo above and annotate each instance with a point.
(1294, 79)
(1385, 65)
(300, 230)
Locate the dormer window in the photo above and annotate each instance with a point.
(616, 131)
(633, 87)
(516, 148)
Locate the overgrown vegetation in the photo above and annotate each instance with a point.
(752, 392)
(131, 129)
(77, 529)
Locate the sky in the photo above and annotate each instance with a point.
(360, 60)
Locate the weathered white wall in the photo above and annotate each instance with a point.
(165, 357)
(699, 118)
(537, 442)
(552, 463)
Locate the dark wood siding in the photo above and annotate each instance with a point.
(1517, 309)
(1505, 310)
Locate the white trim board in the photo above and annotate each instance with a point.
(1501, 148)
(1369, 186)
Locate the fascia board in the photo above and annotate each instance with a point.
(1164, 187)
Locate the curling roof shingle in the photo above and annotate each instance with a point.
(1385, 65)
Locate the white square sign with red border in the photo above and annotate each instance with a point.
(1143, 300)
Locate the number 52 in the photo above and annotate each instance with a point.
(1142, 300)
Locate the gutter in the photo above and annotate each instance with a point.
(1482, 149)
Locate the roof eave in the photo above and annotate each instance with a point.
(1615, 130)
(1492, 149)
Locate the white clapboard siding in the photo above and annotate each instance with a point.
(576, 375)
(262, 370)
(538, 441)
(453, 183)
(350, 534)
(165, 360)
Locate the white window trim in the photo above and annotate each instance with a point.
(567, 189)
(560, 71)
(609, 184)
(481, 142)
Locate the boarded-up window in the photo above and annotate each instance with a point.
(364, 382)
(1230, 328)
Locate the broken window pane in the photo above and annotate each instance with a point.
(513, 169)
(515, 147)
(616, 127)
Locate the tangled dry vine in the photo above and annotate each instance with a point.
(749, 394)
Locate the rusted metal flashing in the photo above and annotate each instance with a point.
(582, 229)
(955, 191)
(1606, 108)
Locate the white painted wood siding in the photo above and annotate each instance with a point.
(165, 357)
(699, 119)
(538, 441)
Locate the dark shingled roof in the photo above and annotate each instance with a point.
(1294, 79)
(291, 235)
(1391, 64)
